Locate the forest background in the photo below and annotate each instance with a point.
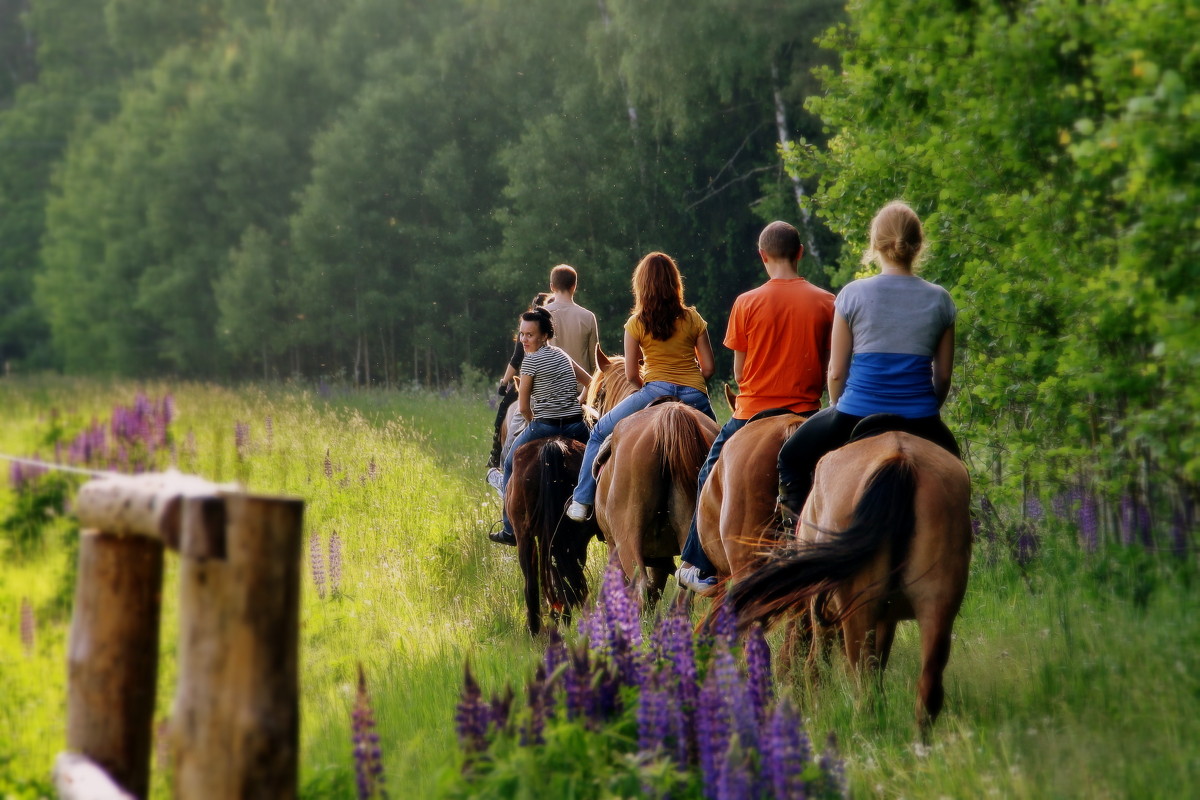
(370, 190)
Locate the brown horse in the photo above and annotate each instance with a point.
(609, 385)
(551, 548)
(885, 536)
(736, 512)
(646, 492)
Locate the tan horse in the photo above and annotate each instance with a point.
(609, 385)
(736, 512)
(646, 492)
(885, 536)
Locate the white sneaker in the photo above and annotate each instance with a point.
(580, 512)
(689, 578)
(495, 479)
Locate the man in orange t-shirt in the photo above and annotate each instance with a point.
(779, 334)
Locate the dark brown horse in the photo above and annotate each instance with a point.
(551, 548)
(646, 492)
(885, 536)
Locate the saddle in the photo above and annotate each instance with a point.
(876, 424)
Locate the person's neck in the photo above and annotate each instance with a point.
(781, 270)
(887, 267)
(564, 298)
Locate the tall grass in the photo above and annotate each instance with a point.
(1075, 675)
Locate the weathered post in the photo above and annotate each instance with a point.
(112, 661)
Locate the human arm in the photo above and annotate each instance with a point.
(581, 375)
(943, 365)
(509, 373)
(704, 355)
(525, 397)
(841, 342)
(739, 364)
(633, 359)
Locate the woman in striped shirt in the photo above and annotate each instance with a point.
(547, 396)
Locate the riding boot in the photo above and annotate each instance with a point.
(790, 503)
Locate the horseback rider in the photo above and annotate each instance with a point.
(892, 353)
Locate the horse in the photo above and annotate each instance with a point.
(885, 536)
(646, 492)
(551, 548)
(609, 385)
(736, 511)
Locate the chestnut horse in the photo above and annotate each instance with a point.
(736, 512)
(646, 492)
(551, 548)
(885, 536)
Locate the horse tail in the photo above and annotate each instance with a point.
(556, 482)
(680, 445)
(884, 514)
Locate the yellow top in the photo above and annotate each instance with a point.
(673, 360)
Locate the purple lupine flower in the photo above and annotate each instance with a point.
(1033, 508)
(324, 390)
(472, 716)
(833, 770)
(317, 563)
(1089, 523)
(679, 656)
(577, 680)
(604, 700)
(1127, 517)
(241, 438)
(328, 464)
(1180, 530)
(1064, 502)
(653, 716)
(556, 656)
(1027, 544)
(735, 781)
(501, 709)
(335, 563)
(368, 759)
(725, 624)
(28, 626)
(758, 673)
(537, 692)
(712, 730)
(168, 410)
(786, 752)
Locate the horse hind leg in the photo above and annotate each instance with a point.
(657, 570)
(935, 654)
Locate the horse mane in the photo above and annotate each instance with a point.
(796, 574)
(609, 385)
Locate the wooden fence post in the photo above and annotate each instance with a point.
(237, 704)
(112, 659)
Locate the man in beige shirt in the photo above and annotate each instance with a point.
(575, 328)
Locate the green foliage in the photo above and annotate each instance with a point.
(1050, 149)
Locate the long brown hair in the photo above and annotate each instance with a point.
(658, 295)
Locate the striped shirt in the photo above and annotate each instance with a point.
(554, 394)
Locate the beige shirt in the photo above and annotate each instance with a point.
(575, 332)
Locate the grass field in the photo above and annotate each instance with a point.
(1071, 676)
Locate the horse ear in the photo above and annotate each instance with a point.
(730, 397)
(602, 361)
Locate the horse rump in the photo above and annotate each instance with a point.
(551, 548)
(795, 574)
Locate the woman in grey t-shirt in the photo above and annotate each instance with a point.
(892, 353)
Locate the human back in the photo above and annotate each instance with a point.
(575, 328)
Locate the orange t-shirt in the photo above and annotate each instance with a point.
(783, 327)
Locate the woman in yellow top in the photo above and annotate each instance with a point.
(670, 342)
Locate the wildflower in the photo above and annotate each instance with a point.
(328, 464)
(372, 469)
(335, 563)
(833, 770)
(241, 438)
(317, 563)
(472, 716)
(28, 626)
(1033, 508)
(1089, 523)
(537, 692)
(786, 751)
(653, 716)
(501, 708)
(712, 730)
(577, 680)
(368, 759)
(758, 669)
(735, 781)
